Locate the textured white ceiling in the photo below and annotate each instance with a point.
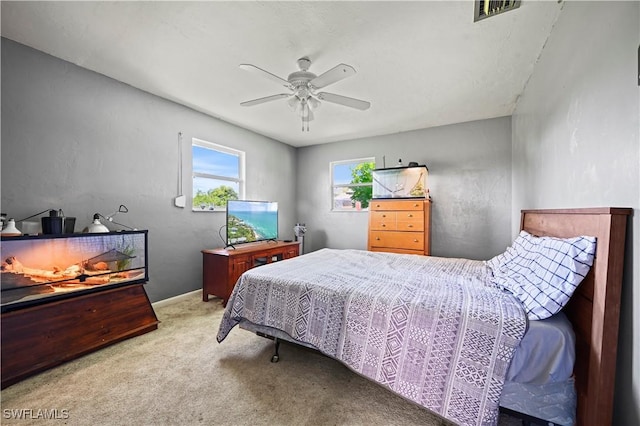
(419, 63)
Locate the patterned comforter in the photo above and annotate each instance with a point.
(433, 330)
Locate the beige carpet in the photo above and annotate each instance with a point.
(180, 375)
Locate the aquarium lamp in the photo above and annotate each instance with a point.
(10, 230)
(121, 209)
(96, 226)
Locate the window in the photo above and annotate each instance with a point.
(351, 186)
(218, 175)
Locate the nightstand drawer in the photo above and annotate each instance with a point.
(402, 240)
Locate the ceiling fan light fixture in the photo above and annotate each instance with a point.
(293, 102)
(313, 103)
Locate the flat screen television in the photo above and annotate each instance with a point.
(250, 221)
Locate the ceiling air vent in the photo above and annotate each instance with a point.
(487, 8)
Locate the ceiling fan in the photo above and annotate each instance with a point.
(303, 85)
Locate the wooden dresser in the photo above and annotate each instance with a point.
(400, 226)
(222, 267)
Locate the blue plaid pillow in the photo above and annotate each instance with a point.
(543, 272)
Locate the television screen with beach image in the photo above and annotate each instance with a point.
(251, 221)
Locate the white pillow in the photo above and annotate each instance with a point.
(497, 262)
(543, 272)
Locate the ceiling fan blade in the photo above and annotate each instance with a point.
(265, 99)
(266, 74)
(343, 100)
(336, 73)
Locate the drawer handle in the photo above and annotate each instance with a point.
(409, 226)
(377, 205)
(383, 225)
(410, 215)
(384, 215)
(377, 238)
(416, 205)
(415, 240)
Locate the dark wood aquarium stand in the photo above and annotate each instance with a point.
(222, 267)
(39, 337)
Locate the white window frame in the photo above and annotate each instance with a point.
(334, 186)
(241, 180)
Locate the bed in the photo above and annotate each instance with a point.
(433, 331)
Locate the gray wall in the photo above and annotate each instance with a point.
(77, 140)
(576, 144)
(469, 181)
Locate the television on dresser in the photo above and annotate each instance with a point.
(250, 221)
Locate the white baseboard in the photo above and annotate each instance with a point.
(174, 299)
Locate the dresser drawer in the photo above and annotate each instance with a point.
(383, 221)
(410, 221)
(397, 250)
(378, 205)
(396, 239)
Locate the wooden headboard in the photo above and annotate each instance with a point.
(594, 309)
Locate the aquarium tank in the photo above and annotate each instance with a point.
(39, 269)
(400, 182)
